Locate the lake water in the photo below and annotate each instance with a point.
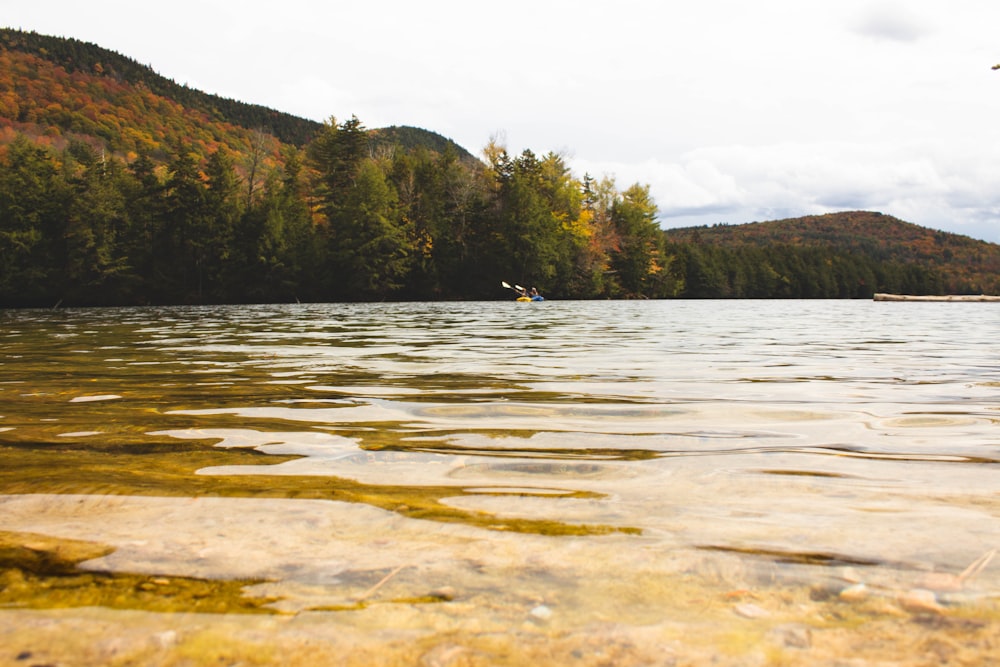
(671, 482)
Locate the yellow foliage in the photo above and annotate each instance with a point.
(582, 226)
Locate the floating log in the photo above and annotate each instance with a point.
(947, 297)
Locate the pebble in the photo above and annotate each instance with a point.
(855, 593)
(445, 593)
(749, 610)
(166, 639)
(850, 575)
(445, 655)
(793, 636)
(920, 600)
(541, 613)
(824, 591)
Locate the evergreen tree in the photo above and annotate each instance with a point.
(223, 209)
(638, 259)
(33, 200)
(97, 263)
(463, 229)
(336, 154)
(276, 241)
(374, 252)
(183, 242)
(145, 205)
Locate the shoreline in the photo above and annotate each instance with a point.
(949, 297)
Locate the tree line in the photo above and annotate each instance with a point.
(785, 271)
(344, 218)
(349, 218)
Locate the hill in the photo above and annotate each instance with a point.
(923, 261)
(54, 86)
(411, 138)
(105, 74)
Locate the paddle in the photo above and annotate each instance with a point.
(517, 288)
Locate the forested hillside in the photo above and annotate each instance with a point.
(844, 255)
(92, 75)
(118, 186)
(114, 191)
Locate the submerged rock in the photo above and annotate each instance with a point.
(750, 610)
(445, 593)
(792, 636)
(541, 613)
(920, 601)
(855, 593)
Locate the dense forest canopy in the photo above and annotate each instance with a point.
(118, 186)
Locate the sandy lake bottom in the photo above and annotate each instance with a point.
(372, 588)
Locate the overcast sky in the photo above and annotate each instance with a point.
(732, 111)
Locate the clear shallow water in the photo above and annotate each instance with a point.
(560, 456)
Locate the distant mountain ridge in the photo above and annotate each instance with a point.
(961, 263)
(95, 62)
(76, 56)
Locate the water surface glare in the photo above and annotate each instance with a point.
(542, 472)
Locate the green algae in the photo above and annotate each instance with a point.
(43, 555)
(170, 471)
(41, 572)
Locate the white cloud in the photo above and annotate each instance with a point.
(741, 183)
(892, 21)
